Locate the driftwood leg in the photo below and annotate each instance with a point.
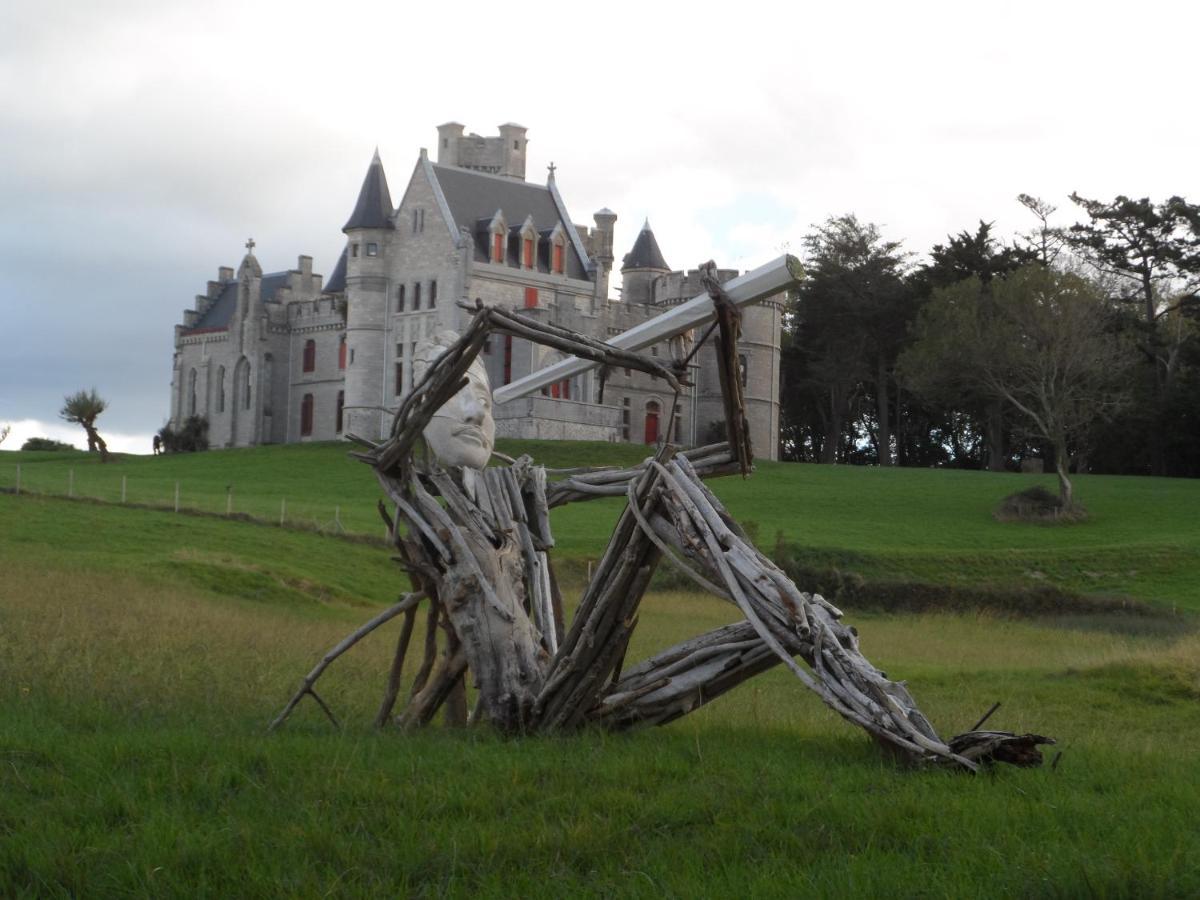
(397, 671)
(408, 602)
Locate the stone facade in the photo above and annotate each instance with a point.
(284, 357)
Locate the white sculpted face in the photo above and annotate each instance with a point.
(463, 432)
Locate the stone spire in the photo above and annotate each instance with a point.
(374, 206)
(645, 253)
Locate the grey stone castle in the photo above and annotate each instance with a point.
(287, 356)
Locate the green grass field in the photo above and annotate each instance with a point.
(142, 654)
(1142, 539)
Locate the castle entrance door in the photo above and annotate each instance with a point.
(652, 411)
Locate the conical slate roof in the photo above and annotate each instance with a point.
(337, 281)
(374, 207)
(645, 253)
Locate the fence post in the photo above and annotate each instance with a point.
(18, 479)
(282, 511)
(122, 488)
(228, 499)
(177, 496)
(70, 482)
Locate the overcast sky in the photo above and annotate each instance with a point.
(143, 142)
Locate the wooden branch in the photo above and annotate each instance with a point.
(397, 671)
(409, 601)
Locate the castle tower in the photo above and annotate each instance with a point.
(368, 242)
(502, 155)
(642, 265)
(602, 250)
(512, 137)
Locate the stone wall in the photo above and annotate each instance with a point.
(562, 420)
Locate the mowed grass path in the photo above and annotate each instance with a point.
(142, 653)
(1142, 540)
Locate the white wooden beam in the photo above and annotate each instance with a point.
(752, 287)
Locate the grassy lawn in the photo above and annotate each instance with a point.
(1142, 540)
(142, 654)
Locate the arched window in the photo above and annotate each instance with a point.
(341, 403)
(246, 386)
(310, 356)
(306, 415)
(342, 352)
(221, 389)
(192, 393)
(652, 412)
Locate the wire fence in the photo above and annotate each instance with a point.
(180, 496)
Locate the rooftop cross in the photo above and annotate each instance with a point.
(551, 168)
(250, 245)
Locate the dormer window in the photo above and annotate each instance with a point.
(529, 242)
(558, 250)
(372, 249)
(498, 242)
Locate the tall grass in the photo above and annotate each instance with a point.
(133, 760)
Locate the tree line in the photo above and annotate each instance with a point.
(1076, 344)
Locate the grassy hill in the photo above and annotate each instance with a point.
(142, 653)
(1142, 539)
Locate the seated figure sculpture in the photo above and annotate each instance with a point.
(475, 539)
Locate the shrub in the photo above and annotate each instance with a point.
(42, 443)
(1036, 504)
(191, 437)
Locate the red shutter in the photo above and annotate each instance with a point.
(498, 248)
(531, 298)
(558, 258)
(528, 253)
(310, 356)
(342, 355)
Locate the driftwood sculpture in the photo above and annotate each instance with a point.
(475, 543)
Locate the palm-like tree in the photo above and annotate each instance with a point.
(83, 408)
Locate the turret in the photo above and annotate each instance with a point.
(602, 250)
(448, 137)
(512, 147)
(642, 265)
(368, 237)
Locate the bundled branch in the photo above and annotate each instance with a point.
(476, 544)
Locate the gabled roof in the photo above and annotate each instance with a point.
(645, 253)
(337, 280)
(474, 197)
(374, 206)
(220, 314)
